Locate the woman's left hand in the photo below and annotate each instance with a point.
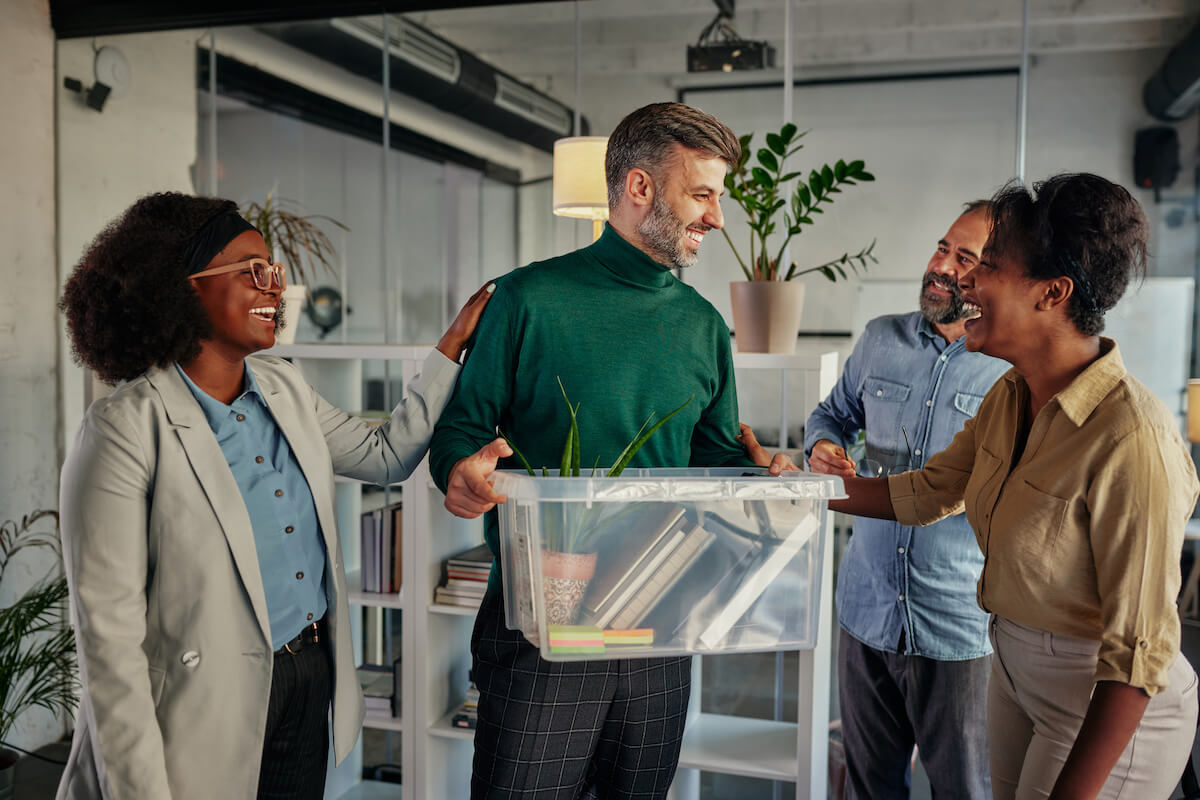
(456, 338)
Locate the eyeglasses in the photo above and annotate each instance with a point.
(870, 468)
(261, 270)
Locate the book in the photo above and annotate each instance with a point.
(455, 600)
(757, 581)
(381, 548)
(662, 579)
(630, 558)
(478, 556)
(378, 686)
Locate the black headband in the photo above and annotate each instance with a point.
(212, 238)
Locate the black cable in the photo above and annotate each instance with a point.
(35, 755)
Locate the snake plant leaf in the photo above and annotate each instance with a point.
(516, 452)
(637, 443)
(570, 457)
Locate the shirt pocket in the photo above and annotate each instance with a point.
(980, 493)
(883, 407)
(967, 403)
(1037, 520)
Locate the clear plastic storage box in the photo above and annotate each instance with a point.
(664, 561)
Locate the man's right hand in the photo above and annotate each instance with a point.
(830, 459)
(468, 493)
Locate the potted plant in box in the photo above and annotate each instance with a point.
(766, 306)
(294, 239)
(37, 646)
(568, 555)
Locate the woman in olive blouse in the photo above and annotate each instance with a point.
(1078, 486)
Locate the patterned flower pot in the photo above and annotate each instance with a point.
(565, 578)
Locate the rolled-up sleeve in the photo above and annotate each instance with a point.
(1139, 501)
(923, 496)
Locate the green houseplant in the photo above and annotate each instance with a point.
(568, 538)
(298, 241)
(37, 646)
(779, 205)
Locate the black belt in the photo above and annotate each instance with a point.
(310, 635)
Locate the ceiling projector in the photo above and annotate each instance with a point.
(730, 56)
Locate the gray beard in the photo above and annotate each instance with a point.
(952, 309)
(663, 232)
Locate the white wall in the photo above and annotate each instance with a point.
(29, 436)
(142, 142)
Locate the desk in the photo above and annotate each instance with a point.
(1189, 601)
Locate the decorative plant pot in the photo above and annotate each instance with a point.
(565, 578)
(294, 298)
(766, 315)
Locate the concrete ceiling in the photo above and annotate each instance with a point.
(648, 38)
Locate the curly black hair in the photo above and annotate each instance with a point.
(128, 303)
(1076, 225)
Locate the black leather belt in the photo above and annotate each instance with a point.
(310, 635)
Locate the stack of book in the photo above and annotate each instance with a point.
(468, 713)
(379, 687)
(381, 549)
(466, 578)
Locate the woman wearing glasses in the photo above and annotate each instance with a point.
(207, 586)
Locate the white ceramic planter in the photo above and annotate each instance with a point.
(294, 296)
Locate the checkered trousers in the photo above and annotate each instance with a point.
(566, 730)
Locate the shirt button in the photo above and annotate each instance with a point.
(310, 616)
(916, 452)
(279, 492)
(943, 358)
(258, 459)
(288, 529)
(1143, 644)
(241, 417)
(900, 550)
(929, 404)
(879, 392)
(901, 598)
(299, 576)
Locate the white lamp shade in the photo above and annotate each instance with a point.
(580, 190)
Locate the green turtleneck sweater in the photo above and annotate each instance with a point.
(626, 338)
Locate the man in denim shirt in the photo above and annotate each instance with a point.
(913, 656)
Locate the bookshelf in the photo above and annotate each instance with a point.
(435, 639)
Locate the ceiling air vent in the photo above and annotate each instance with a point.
(423, 65)
(415, 45)
(534, 106)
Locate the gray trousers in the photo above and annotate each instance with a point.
(1041, 686)
(893, 702)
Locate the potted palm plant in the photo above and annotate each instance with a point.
(766, 306)
(298, 241)
(569, 556)
(37, 646)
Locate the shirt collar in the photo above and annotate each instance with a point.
(214, 410)
(925, 328)
(627, 262)
(1091, 386)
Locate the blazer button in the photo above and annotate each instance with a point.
(191, 659)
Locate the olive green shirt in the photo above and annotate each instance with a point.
(1082, 535)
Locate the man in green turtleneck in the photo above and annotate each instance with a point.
(626, 338)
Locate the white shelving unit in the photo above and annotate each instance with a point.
(435, 640)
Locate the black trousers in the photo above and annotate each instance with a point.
(296, 747)
(566, 730)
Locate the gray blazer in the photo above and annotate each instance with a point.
(166, 595)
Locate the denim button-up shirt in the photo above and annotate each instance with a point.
(287, 535)
(904, 377)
